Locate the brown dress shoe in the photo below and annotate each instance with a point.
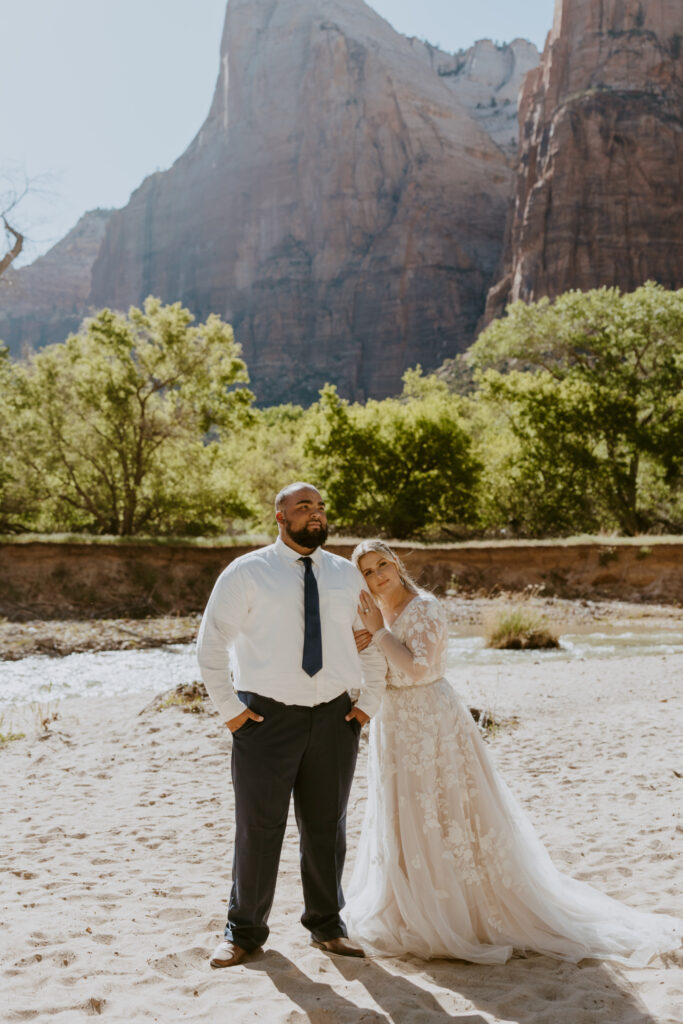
(227, 954)
(340, 946)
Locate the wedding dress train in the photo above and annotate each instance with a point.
(448, 863)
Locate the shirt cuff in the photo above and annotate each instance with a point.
(368, 703)
(229, 706)
(379, 633)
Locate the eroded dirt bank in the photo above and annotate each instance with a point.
(43, 580)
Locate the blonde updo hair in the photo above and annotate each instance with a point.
(380, 548)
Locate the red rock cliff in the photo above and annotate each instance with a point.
(340, 206)
(599, 197)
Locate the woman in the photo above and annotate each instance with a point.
(448, 863)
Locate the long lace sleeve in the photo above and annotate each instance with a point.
(416, 648)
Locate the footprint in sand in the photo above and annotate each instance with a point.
(62, 958)
(29, 961)
(179, 965)
(54, 833)
(178, 914)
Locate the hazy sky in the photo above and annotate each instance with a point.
(99, 93)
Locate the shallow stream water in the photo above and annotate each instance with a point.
(106, 673)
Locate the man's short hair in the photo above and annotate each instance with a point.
(282, 495)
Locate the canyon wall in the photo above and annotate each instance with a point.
(599, 193)
(340, 206)
(353, 194)
(343, 205)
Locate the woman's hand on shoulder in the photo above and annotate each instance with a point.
(371, 616)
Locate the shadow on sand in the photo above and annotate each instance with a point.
(529, 990)
(400, 999)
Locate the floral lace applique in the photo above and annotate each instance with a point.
(417, 646)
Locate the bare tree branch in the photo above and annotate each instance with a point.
(10, 256)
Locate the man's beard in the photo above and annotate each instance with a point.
(311, 536)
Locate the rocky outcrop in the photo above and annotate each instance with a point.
(340, 206)
(486, 80)
(46, 301)
(599, 195)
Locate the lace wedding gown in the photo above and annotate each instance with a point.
(448, 863)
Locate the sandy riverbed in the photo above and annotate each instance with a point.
(117, 844)
(467, 614)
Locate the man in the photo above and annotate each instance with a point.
(288, 611)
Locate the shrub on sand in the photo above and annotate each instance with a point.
(189, 697)
(490, 726)
(520, 628)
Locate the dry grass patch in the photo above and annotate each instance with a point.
(45, 714)
(10, 735)
(519, 628)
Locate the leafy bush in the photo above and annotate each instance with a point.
(396, 467)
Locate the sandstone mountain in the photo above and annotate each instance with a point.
(47, 300)
(599, 194)
(343, 205)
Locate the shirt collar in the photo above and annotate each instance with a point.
(290, 555)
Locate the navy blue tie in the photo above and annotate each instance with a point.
(312, 660)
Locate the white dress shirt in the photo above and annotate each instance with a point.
(253, 628)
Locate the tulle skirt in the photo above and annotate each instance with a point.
(449, 865)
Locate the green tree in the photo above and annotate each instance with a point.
(264, 457)
(123, 419)
(399, 466)
(16, 504)
(592, 388)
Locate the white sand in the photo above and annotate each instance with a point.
(117, 834)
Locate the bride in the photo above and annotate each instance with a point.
(448, 863)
